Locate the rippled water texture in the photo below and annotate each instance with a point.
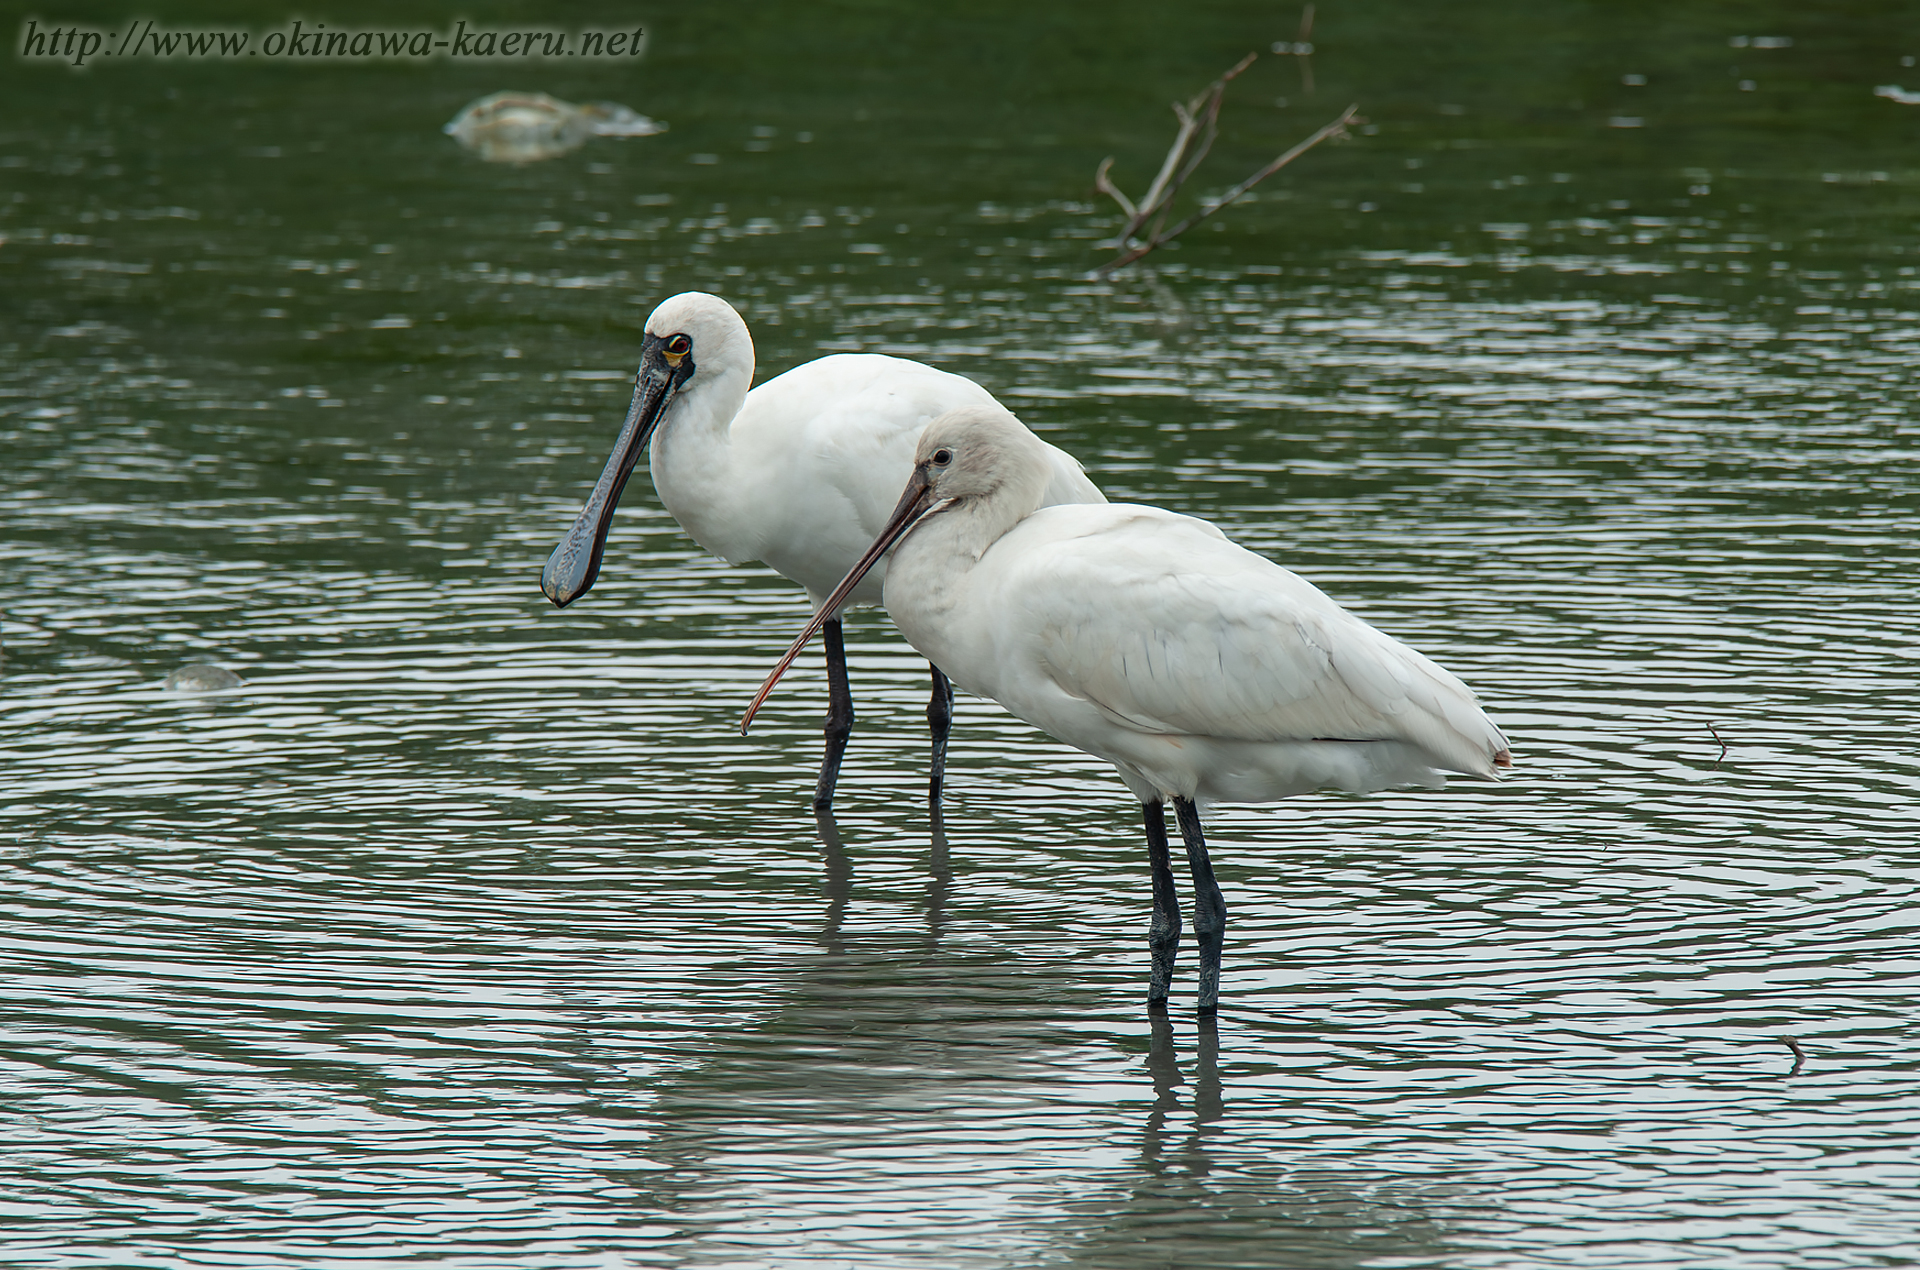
(467, 931)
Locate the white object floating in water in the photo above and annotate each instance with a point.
(526, 127)
(1893, 92)
(202, 676)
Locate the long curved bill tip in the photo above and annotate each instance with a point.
(786, 661)
(914, 504)
(571, 569)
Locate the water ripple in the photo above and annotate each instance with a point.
(470, 932)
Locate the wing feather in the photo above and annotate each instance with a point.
(1168, 627)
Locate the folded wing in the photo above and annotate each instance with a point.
(1170, 628)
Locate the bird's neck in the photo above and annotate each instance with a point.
(692, 461)
(964, 531)
(932, 569)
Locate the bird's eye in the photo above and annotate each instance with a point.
(679, 346)
(942, 457)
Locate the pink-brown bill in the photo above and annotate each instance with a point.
(914, 504)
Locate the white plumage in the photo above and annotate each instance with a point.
(799, 473)
(1200, 669)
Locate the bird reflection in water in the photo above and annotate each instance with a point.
(837, 878)
(938, 875)
(1163, 1065)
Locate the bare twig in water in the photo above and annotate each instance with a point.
(1723, 754)
(1199, 125)
(1799, 1055)
(1159, 196)
(1302, 48)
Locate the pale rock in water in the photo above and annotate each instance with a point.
(202, 677)
(515, 127)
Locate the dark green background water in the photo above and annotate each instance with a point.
(469, 932)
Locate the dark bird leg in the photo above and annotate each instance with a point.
(839, 715)
(939, 723)
(1163, 932)
(1209, 908)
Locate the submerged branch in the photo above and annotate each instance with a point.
(1335, 129)
(1105, 186)
(1159, 196)
(1192, 142)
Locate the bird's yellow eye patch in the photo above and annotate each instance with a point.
(676, 348)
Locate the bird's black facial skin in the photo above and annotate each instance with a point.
(575, 563)
(668, 355)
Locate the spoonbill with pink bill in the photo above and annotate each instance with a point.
(798, 473)
(1203, 672)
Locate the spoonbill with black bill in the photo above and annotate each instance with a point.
(798, 473)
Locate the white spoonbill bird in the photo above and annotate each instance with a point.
(1200, 670)
(799, 473)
